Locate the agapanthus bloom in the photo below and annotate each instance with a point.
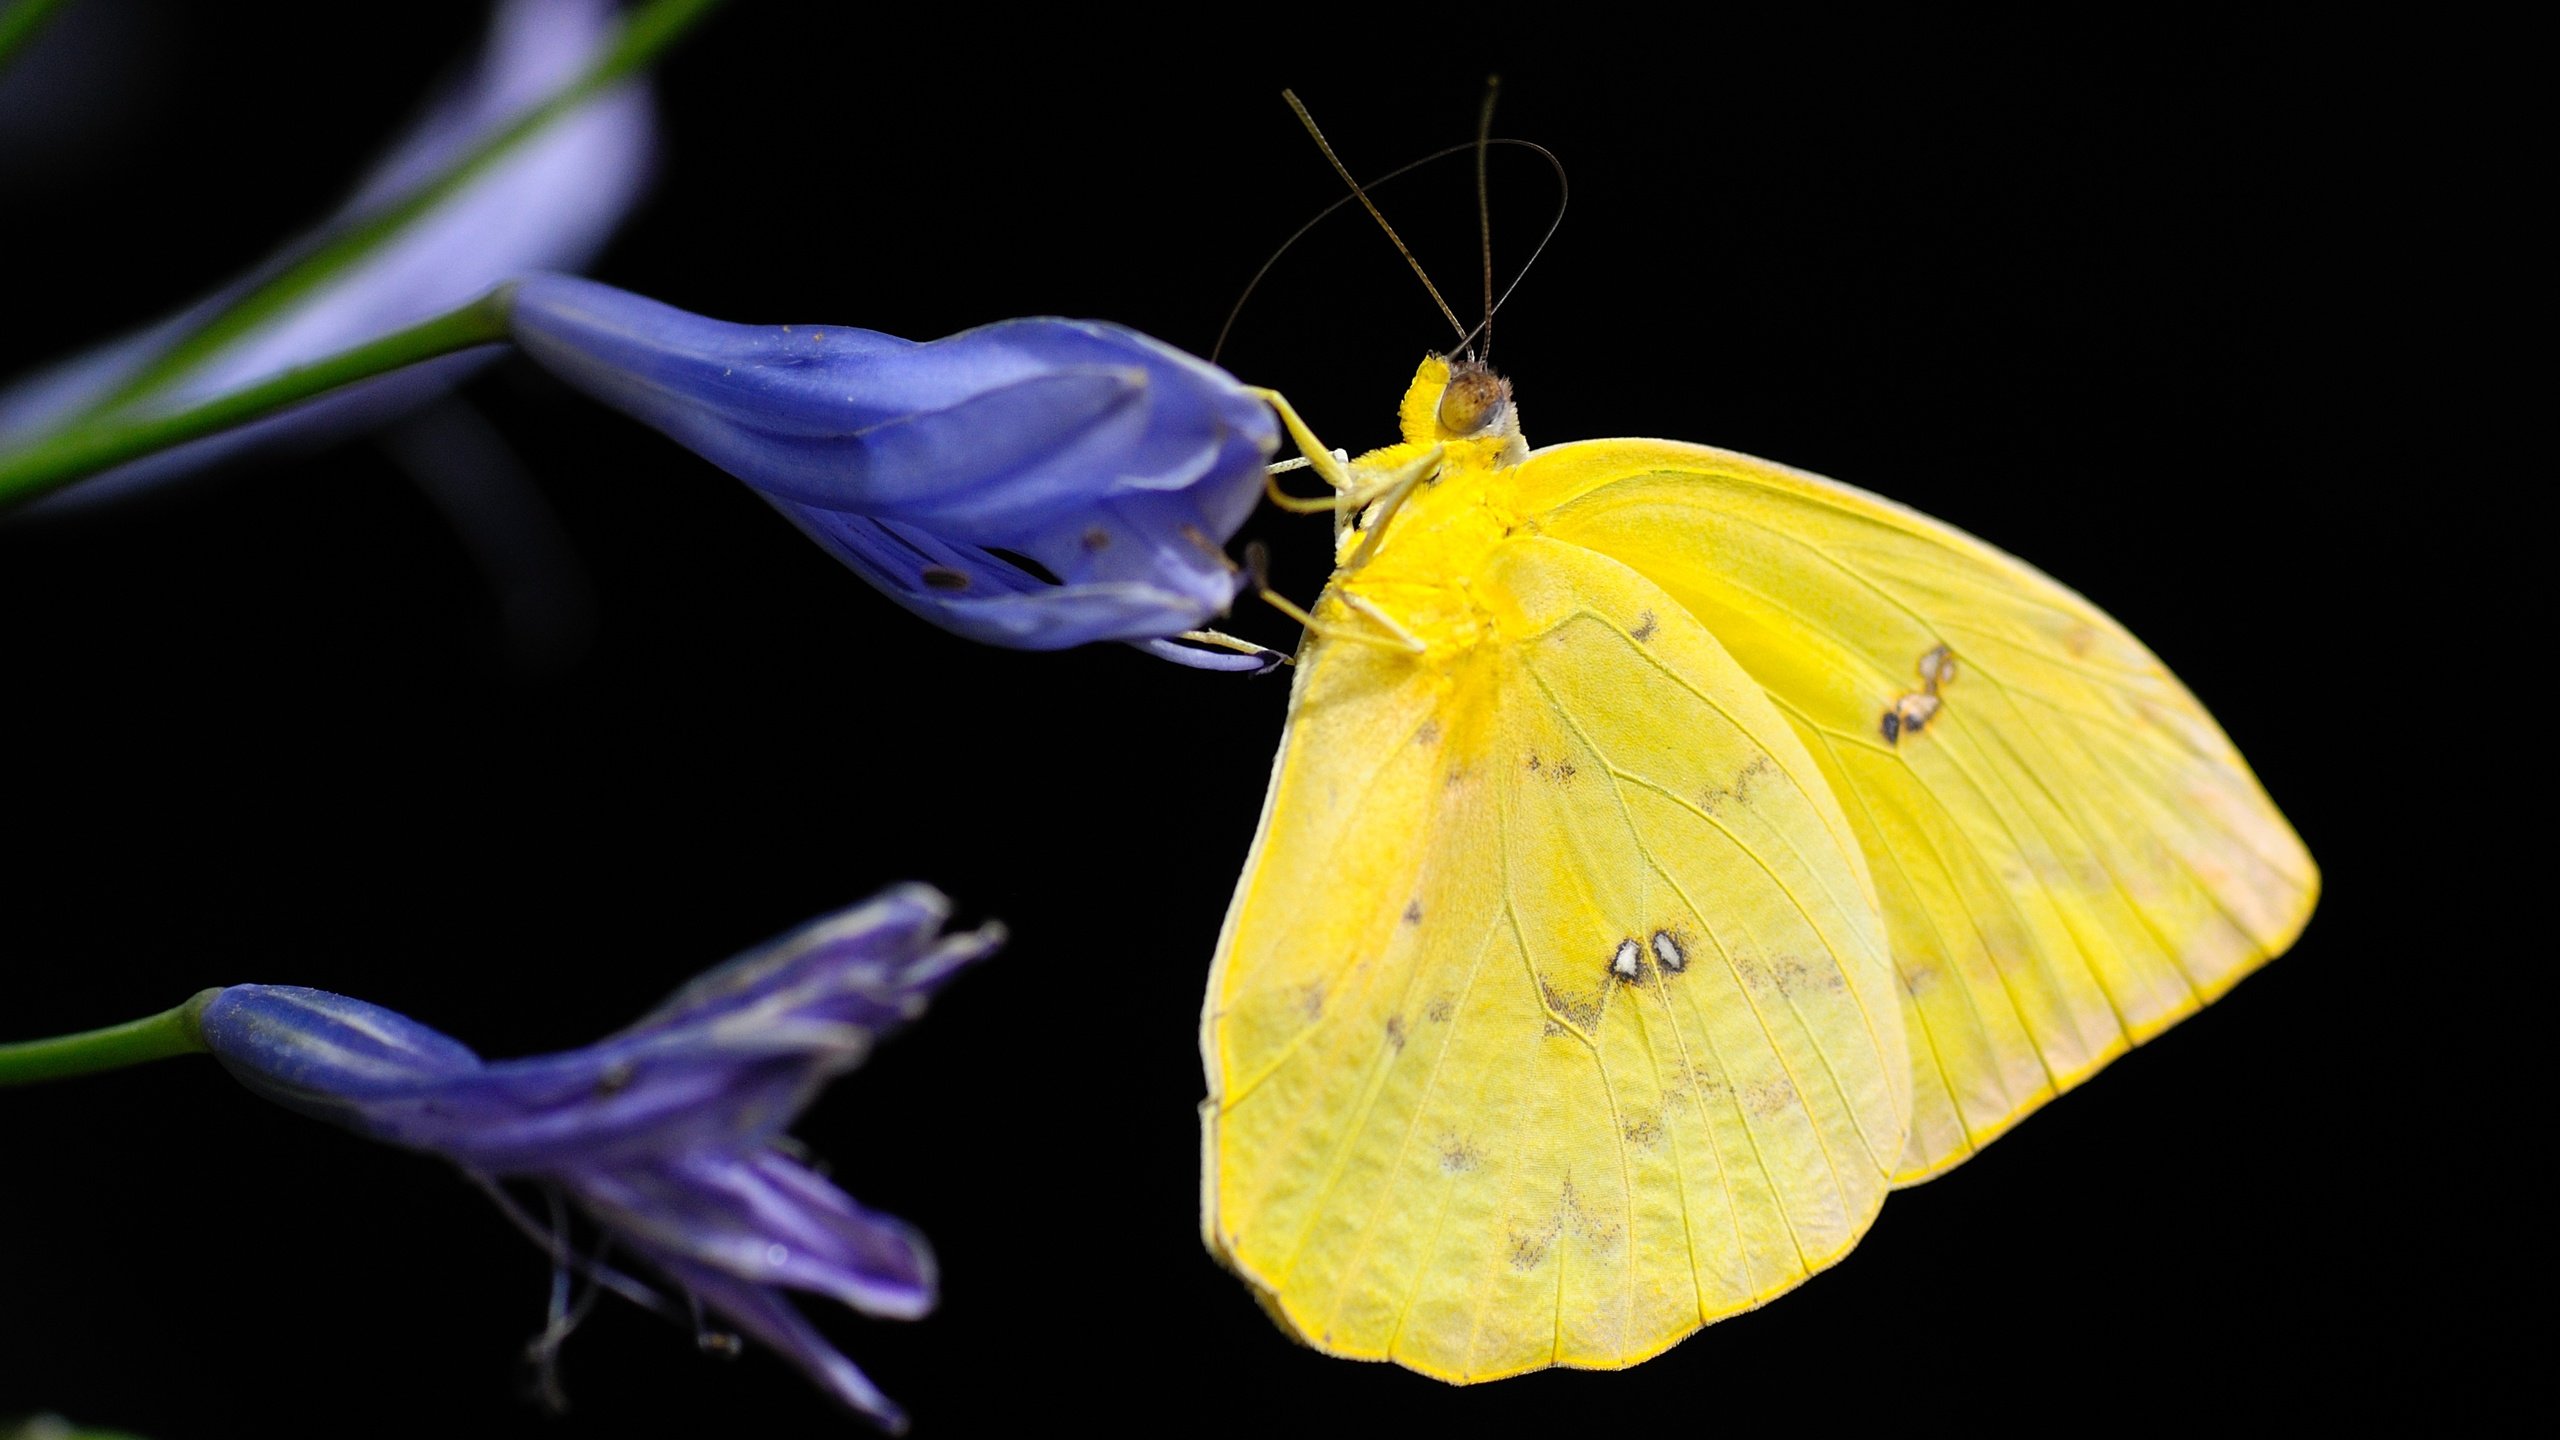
(1034, 483)
(668, 1134)
(548, 203)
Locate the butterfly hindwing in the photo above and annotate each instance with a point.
(2069, 854)
(1553, 1017)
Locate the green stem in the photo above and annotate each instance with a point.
(19, 22)
(156, 1037)
(645, 34)
(104, 441)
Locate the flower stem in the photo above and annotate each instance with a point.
(103, 441)
(646, 34)
(155, 1037)
(19, 21)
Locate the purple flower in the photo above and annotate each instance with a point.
(668, 1134)
(549, 203)
(1033, 483)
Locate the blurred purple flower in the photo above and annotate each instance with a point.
(668, 1134)
(1033, 483)
(548, 204)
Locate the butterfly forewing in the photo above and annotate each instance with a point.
(2069, 854)
(1553, 1017)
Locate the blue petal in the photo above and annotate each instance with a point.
(762, 1313)
(554, 1114)
(1203, 657)
(996, 436)
(873, 965)
(324, 1054)
(978, 595)
(770, 1220)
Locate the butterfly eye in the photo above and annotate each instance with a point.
(1474, 401)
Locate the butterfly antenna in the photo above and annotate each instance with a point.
(1484, 204)
(1374, 184)
(1564, 194)
(1374, 212)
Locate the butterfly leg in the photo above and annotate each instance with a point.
(1352, 489)
(1397, 637)
(1219, 639)
(1334, 469)
(1389, 491)
(1257, 561)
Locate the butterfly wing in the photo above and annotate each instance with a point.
(2070, 854)
(1552, 1017)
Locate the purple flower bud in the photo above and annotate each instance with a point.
(1033, 483)
(668, 1133)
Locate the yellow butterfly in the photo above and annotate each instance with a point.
(1669, 854)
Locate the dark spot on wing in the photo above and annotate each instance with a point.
(1592, 1225)
(1413, 912)
(1910, 712)
(1458, 1155)
(1769, 1097)
(1428, 733)
(1645, 625)
(1528, 1248)
(1642, 1131)
(943, 577)
(1440, 1009)
(1691, 1080)
(1583, 1011)
(1395, 1031)
(1745, 781)
(1789, 975)
(1535, 764)
(1311, 1000)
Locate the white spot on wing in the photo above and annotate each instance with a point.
(1668, 951)
(1627, 962)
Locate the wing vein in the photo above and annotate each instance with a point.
(1758, 1015)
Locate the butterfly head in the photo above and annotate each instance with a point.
(1475, 402)
(1466, 407)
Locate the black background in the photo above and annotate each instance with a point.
(2083, 292)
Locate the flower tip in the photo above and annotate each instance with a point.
(1260, 660)
(972, 945)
